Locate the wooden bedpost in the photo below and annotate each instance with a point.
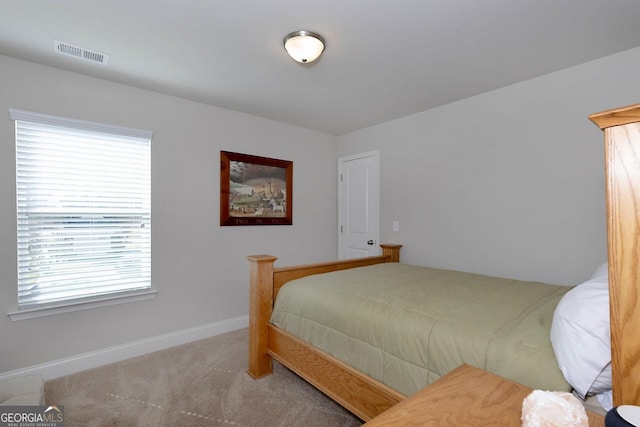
(392, 251)
(622, 167)
(260, 307)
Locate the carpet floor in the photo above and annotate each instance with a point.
(203, 383)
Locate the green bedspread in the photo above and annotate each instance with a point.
(407, 326)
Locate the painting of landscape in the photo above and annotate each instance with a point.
(255, 190)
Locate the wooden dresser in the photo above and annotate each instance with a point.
(467, 396)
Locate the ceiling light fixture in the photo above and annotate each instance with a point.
(304, 46)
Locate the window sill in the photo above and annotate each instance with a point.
(32, 313)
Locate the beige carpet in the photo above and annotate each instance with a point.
(203, 383)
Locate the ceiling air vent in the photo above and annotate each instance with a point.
(80, 52)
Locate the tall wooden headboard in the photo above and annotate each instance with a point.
(622, 169)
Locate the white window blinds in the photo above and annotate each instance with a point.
(83, 209)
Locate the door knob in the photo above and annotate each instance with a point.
(370, 242)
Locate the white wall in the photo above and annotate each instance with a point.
(508, 183)
(198, 267)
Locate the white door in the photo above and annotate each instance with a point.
(358, 205)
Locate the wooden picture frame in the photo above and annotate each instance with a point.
(255, 190)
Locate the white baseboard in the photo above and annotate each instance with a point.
(94, 359)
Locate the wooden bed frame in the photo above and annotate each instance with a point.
(366, 397)
(622, 174)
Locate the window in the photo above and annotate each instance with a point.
(83, 210)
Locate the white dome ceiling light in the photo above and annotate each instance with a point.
(304, 46)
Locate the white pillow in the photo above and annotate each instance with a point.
(601, 273)
(603, 381)
(580, 335)
(606, 400)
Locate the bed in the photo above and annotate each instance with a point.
(367, 387)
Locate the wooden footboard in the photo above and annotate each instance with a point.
(360, 394)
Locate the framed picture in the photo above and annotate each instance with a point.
(255, 190)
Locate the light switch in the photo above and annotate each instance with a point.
(396, 225)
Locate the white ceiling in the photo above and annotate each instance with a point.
(384, 59)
